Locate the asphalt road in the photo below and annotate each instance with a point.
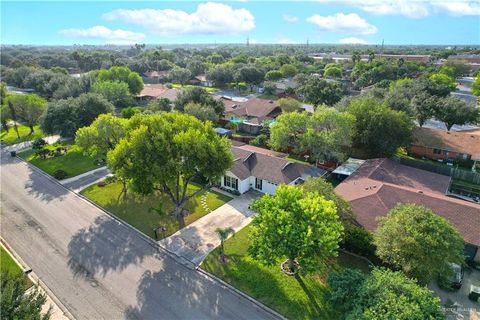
(97, 267)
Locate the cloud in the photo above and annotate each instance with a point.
(290, 19)
(209, 18)
(352, 40)
(459, 9)
(117, 36)
(415, 9)
(345, 23)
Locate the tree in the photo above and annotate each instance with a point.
(318, 91)
(295, 225)
(269, 88)
(131, 111)
(180, 75)
(66, 116)
(333, 72)
(379, 130)
(326, 190)
(250, 74)
(459, 68)
(164, 152)
(223, 235)
(329, 134)
(196, 67)
(28, 107)
(161, 104)
(201, 112)
(443, 80)
(273, 75)
(116, 92)
(410, 233)
(200, 96)
(451, 110)
(476, 86)
(424, 106)
(122, 74)
(288, 130)
(220, 75)
(17, 303)
(289, 105)
(384, 294)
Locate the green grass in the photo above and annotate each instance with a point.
(73, 163)
(179, 86)
(135, 208)
(295, 158)
(7, 264)
(10, 137)
(301, 297)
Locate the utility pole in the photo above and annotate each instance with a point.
(308, 43)
(382, 45)
(248, 41)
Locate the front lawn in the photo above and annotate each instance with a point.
(135, 209)
(301, 297)
(208, 89)
(10, 137)
(7, 264)
(73, 163)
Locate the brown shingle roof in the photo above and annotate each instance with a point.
(461, 142)
(159, 91)
(270, 168)
(373, 190)
(254, 108)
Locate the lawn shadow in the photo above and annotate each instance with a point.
(309, 294)
(105, 246)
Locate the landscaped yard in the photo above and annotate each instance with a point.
(10, 137)
(179, 86)
(7, 264)
(136, 209)
(301, 297)
(73, 163)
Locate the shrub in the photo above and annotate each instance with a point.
(60, 174)
(359, 240)
(38, 144)
(259, 141)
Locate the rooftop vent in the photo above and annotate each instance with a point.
(234, 106)
(420, 191)
(270, 101)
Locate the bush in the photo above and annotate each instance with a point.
(60, 174)
(38, 144)
(359, 240)
(259, 141)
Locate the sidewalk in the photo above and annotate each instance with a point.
(84, 180)
(28, 144)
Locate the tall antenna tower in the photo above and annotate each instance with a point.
(248, 41)
(308, 43)
(382, 45)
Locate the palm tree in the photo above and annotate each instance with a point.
(223, 235)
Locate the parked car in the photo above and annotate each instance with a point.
(456, 279)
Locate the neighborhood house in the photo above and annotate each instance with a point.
(262, 170)
(444, 145)
(379, 184)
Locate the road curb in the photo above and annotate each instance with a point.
(36, 279)
(240, 293)
(182, 261)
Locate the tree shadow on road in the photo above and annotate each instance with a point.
(42, 188)
(105, 246)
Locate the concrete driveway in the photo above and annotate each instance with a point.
(195, 241)
(459, 298)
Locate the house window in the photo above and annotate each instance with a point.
(437, 151)
(258, 184)
(230, 182)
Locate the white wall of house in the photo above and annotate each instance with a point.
(245, 185)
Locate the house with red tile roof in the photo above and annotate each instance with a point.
(378, 185)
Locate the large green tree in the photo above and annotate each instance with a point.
(301, 227)
(384, 294)
(201, 112)
(66, 116)
(122, 74)
(379, 131)
(319, 91)
(200, 96)
(165, 152)
(180, 75)
(476, 86)
(28, 107)
(451, 110)
(418, 241)
(116, 92)
(289, 105)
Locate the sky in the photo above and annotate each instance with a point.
(396, 22)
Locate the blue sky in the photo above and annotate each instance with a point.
(321, 21)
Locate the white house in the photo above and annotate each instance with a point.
(260, 169)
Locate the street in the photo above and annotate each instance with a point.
(96, 266)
